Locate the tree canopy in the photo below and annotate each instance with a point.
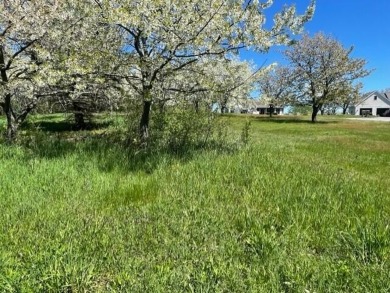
(150, 49)
(163, 38)
(323, 71)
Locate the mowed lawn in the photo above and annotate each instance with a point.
(300, 208)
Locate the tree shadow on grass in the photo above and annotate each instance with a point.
(60, 126)
(53, 136)
(292, 120)
(111, 152)
(55, 126)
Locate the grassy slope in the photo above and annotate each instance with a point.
(303, 207)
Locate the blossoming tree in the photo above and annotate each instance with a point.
(161, 38)
(23, 27)
(323, 71)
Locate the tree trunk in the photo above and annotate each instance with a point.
(79, 117)
(79, 121)
(316, 108)
(271, 111)
(12, 125)
(196, 105)
(224, 108)
(344, 111)
(144, 123)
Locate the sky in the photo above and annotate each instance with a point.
(363, 24)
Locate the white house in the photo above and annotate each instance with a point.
(372, 103)
(252, 106)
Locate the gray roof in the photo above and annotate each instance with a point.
(383, 97)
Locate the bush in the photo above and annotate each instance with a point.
(178, 128)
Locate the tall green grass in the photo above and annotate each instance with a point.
(300, 207)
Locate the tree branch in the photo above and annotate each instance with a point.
(22, 116)
(17, 53)
(5, 30)
(208, 53)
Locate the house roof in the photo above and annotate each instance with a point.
(383, 97)
(250, 104)
(267, 106)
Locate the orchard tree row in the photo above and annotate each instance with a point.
(320, 73)
(137, 53)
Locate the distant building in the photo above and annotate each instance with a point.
(253, 106)
(373, 103)
(265, 109)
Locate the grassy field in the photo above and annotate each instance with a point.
(301, 208)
